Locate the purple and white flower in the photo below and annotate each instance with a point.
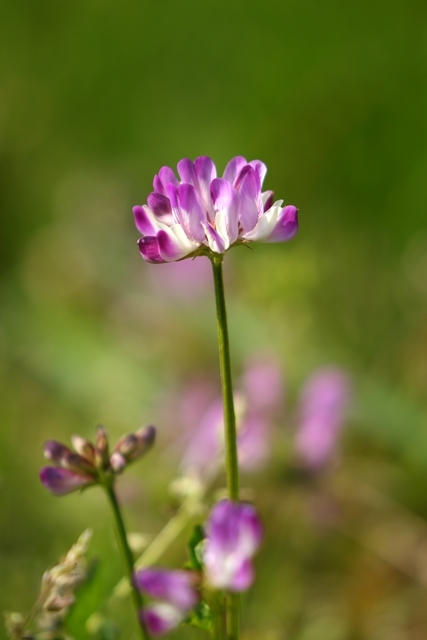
(233, 535)
(323, 402)
(177, 595)
(203, 211)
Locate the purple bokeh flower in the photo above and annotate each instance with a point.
(82, 467)
(259, 396)
(322, 406)
(175, 590)
(263, 389)
(203, 211)
(203, 452)
(233, 535)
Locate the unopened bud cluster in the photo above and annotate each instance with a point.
(92, 463)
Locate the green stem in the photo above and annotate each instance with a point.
(127, 556)
(231, 461)
(233, 616)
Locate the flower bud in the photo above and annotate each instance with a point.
(83, 447)
(75, 462)
(131, 446)
(127, 444)
(101, 448)
(117, 462)
(55, 451)
(146, 437)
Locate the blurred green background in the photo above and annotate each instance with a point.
(95, 96)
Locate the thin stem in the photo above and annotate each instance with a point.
(220, 631)
(127, 556)
(233, 616)
(231, 461)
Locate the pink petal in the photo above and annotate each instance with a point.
(63, 481)
(144, 221)
(190, 212)
(187, 172)
(250, 198)
(286, 226)
(173, 586)
(149, 249)
(160, 618)
(226, 198)
(233, 168)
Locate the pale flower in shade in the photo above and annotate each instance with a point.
(233, 535)
(201, 213)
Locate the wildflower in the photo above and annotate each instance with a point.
(234, 534)
(176, 593)
(89, 463)
(210, 214)
(323, 401)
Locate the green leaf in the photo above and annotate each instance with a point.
(201, 617)
(194, 547)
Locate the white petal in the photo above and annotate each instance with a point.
(266, 223)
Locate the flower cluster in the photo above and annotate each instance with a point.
(233, 535)
(203, 212)
(91, 463)
(176, 595)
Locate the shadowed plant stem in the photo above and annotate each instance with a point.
(128, 558)
(230, 435)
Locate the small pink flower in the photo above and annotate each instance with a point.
(233, 535)
(203, 212)
(175, 590)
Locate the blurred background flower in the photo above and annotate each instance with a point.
(323, 401)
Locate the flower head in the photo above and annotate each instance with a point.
(176, 595)
(202, 211)
(234, 534)
(84, 466)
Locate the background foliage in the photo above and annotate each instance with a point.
(94, 98)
